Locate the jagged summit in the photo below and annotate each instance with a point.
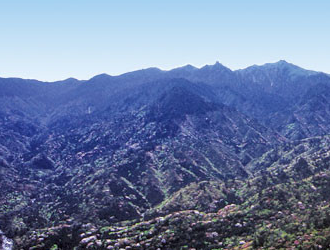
(75, 159)
(282, 62)
(216, 67)
(282, 66)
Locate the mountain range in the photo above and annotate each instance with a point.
(136, 161)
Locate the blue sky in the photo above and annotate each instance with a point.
(53, 40)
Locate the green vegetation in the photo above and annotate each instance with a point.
(185, 159)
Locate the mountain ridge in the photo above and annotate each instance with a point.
(147, 143)
(187, 66)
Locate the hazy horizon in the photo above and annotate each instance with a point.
(134, 70)
(51, 41)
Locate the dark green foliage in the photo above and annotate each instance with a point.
(247, 149)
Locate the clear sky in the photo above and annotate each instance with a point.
(57, 39)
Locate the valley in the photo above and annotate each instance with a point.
(190, 158)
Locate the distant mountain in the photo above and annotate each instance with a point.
(138, 145)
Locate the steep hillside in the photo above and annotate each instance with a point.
(285, 205)
(78, 156)
(127, 154)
